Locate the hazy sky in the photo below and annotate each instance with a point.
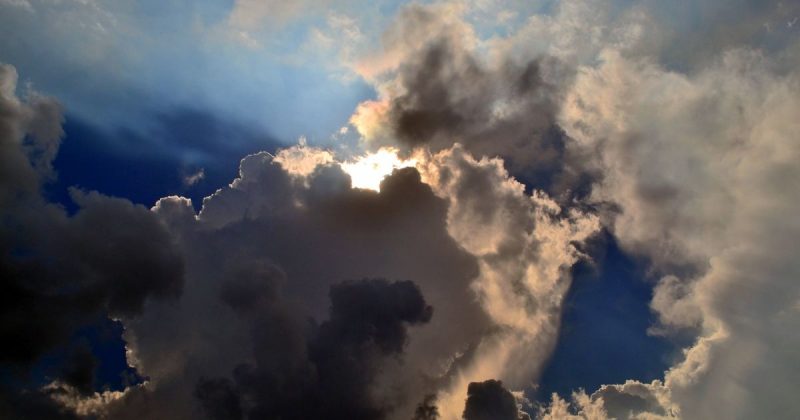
(256, 209)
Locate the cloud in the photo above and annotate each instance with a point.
(262, 255)
(699, 167)
(34, 404)
(492, 260)
(61, 272)
(631, 400)
(266, 254)
(701, 197)
(22, 4)
(488, 400)
(293, 294)
(302, 160)
(525, 247)
(576, 31)
(194, 178)
(368, 321)
(80, 369)
(427, 410)
(438, 89)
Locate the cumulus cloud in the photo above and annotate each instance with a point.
(689, 160)
(266, 255)
(525, 248)
(302, 160)
(700, 168)
(488, 400)
(62, 272)
(437, 89)
(396, 284)
(262, 256)
(689, 169)
(367, 323)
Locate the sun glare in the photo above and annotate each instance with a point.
(368, 171)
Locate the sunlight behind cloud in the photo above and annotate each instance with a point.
(368, 171)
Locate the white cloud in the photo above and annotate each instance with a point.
(194, 178)
(302, 160)
(525, 247)
(704, 171)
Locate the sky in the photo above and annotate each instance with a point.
(480, 210)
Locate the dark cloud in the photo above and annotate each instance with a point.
(265, 257)
(451, 97)
(367, 322)
(250, 336)
(373, 311)
(79, 370)
(60, 272)
(266, 328)
(220, 399)
(621, 401)
(448, 92)
(32, 404)
(489, 400)
(427, 410)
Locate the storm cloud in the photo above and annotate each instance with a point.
(331, 375)
(489, 400)
(266, 255)
(60, 272)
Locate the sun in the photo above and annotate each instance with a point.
(367, 172)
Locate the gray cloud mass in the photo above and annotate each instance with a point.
(292, 295)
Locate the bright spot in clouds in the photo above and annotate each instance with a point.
(368, 171)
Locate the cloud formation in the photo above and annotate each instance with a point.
(699, 197)
(367, 323)
(488, 400)
(265, 254)
(704, 199)
(418, 277)
(61, 272)
(437, 89)
(283, 243)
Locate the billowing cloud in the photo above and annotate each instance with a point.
(368, 321)
(263, 254)
(418, 277)
(61, 272)
(438, 89)
(488, 400)
(702, 171)
(525, 248)
(698, 196)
